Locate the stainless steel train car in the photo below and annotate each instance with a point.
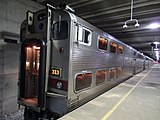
(65, 62)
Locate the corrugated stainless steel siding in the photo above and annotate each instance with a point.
(89, 59)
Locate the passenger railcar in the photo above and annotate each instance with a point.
(66, 62)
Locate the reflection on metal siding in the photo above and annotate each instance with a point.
(93, 59)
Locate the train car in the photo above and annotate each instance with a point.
(65, 62)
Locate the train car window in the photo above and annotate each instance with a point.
(83, 81)
(112, 73)
(113, 47)
(120, 72)
(86, 36)
(140, 56)
(102, 43)
(120, 49)
(100, 76)
(60, 30)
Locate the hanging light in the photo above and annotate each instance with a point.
(131, 19)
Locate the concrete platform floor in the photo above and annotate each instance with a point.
(136, 99)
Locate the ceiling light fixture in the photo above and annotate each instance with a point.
(131, 19)
(156, 43)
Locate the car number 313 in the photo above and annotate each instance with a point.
(56, 72)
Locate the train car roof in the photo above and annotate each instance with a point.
(102, 33)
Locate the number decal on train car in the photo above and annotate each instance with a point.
(56, 72)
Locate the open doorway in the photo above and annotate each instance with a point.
(32, 74)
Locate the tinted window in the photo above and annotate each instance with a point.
(112, 73)
(120, 49)
(86, 36)
(60, 30)
(113, 47)
(102, 43)
(140, 56)
(83, 81)
(100, 76)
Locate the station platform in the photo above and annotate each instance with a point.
(138, 98)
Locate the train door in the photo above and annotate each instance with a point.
(32, 74)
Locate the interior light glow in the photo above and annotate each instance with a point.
(27, 65)
(28, 48)
(38, 65)
(154, 25)
(35, 47)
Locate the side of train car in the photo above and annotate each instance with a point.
(65, 62)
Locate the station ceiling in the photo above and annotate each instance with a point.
(110, 16)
